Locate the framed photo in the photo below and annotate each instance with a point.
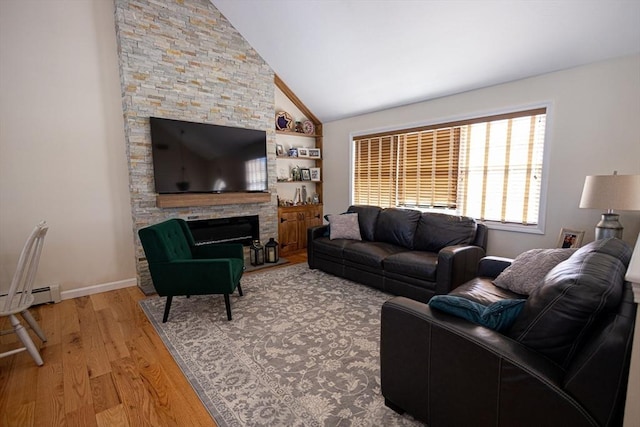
(305, 174)
(279, 150)
(570, 238)
(303, 152)
(314, 153)
(315, 174)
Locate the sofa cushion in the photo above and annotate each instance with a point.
(528, 270)
(498, 315)
(370, 253)
(397, 226)
(558, 314)
(367, 217)
(435, 231)
(344, 226)
(418, 264)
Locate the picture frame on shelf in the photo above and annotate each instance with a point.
(279, 150)
(303, 152)
(570, 238)
(314, 153)
(315, 174)
(305, 174)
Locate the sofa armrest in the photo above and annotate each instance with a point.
(456, 265)
(445, 370)
(312, 234)
(492, 266)
(316, 231)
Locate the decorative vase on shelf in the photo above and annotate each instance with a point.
(303, 194)
(296, 198)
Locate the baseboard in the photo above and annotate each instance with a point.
(96, 289)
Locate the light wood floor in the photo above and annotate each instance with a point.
(104, 365)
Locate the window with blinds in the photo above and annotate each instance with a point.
(489, 168)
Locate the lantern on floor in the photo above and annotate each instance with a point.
(271, 250)
(256, 253)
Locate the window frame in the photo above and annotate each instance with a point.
(538, 228)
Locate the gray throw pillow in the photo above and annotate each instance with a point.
(529, 269)
(344, 226)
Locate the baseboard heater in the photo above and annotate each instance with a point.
(46, 294)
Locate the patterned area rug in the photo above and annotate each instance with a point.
(302, 350)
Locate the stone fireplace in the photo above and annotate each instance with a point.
(183, 60)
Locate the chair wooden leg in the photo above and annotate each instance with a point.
(167, 307)
(23, 334)
(227, 304)
(240, 289)
(26, 315)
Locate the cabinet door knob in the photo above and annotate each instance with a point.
(282, 220)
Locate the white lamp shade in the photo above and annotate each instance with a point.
(620, 192)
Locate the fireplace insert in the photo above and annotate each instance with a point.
(239, 229)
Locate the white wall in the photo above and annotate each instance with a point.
(595, 129)
(62, 152)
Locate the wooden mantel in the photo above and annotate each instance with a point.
(210, 199)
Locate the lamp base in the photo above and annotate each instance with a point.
(609, 226)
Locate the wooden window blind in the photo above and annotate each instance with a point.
(428, 168)
(501, 169)
(375, 171)
(489, 167)
(416, 169)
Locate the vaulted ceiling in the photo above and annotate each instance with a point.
(349, 57)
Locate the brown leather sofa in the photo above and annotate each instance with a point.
(403, 251)
(564, 362)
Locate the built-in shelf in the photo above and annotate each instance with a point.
(299, 182)
(297, 158)
(210, 199)
(294, 221)
(292, 133)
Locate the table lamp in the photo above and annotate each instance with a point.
(621, 192)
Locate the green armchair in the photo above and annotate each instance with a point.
(179, 267)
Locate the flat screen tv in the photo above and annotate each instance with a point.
(193, 157)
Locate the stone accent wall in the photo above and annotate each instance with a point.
(181, 59)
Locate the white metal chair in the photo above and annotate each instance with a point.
(19, 298)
